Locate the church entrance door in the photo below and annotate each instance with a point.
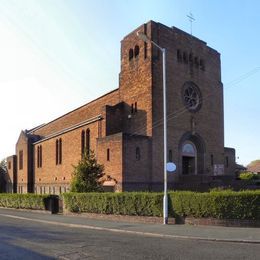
(188, 165)
(189, 159)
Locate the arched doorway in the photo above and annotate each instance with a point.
(189, 158)
(191, 154)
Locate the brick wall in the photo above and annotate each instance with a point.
(12, 174)
(208, 121)
(230, 161)
(110, 154)
(57, 177)
(137, 172)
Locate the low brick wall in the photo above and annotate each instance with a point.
(220, 222)
(126, 218)
(171, 221)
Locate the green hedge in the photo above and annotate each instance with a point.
(126, 203)
(24, 201)
(221, 205)
(218, 204)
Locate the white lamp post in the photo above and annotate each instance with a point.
(145, 38)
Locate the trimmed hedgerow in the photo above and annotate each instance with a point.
(24, 201)
(126, 203)
(219, 204)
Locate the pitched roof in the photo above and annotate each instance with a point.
(254, 166)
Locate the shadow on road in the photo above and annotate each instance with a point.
(10, 251)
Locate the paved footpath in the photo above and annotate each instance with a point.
(206, 233)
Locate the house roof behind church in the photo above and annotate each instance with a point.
(254, 166)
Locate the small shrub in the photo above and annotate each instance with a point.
(247, 176)
(87, 174)
(220, 189)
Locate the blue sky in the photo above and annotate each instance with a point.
(59, 54)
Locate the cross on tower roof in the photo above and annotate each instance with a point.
(191, 19)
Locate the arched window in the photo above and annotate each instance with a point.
(137, 154)
(188, 149)
(136, 50)
(131, 54)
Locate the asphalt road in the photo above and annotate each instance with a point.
(24, 239)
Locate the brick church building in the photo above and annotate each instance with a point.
(125, 126)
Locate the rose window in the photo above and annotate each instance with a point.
(191, 96)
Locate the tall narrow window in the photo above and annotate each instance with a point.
(135, 107)
(227, 163)
(191, 58)
(137, 154)
(131, 54)
(60, 151)
(57, 152)
(145, 50)
(196, 61)
(202, 64)
(108, 155)
(184, 57)
(170, 156)
(82, 143)
(179, 56)
(212, 159)
(20, 159)
(40, 156)
(136, 51)
(132, 108)
(87, 141)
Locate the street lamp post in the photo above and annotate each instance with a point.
(145, 38)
